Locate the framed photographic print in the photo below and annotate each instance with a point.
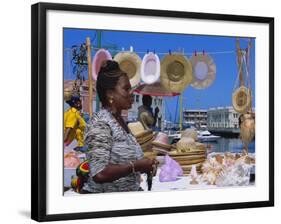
(140, 111)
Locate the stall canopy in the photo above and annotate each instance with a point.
(155, 89)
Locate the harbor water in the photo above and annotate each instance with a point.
(234, 145)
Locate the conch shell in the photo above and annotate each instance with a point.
(71, 160)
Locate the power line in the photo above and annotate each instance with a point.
(164, 53)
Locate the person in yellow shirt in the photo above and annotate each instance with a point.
(74, 124)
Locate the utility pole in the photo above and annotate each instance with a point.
(88, 44)
(99, 46)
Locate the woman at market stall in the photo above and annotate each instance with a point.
(115, 158)
(145, 114)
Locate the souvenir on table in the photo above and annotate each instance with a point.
(143, 137)
(228, 169)
(170, 171)
(193, 175)
(161, 143)
(188, 152)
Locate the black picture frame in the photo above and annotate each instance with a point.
(40, 122)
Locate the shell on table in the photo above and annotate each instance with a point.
(71, 160)
(228, 170)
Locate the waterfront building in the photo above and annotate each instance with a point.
(223, 120)
(197, 117)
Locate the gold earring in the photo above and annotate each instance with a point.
(111, 100)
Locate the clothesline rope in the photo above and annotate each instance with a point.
(164, 53)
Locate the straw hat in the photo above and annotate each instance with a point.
(138, 130)
(130, 63)
(204, 71)
(145, 138)
(100, 56)
(176, 72)
(162, 141)
(67, 94)
(150, 68)
(241, 99)
(189, 132)
(185, 143)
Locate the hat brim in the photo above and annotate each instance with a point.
(175, 154)
(186, 78)
(135, 60)
(145, 139)
(143, 134)
(161, 145)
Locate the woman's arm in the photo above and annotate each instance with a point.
(113, 172)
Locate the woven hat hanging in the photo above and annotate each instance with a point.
(241, 99)
(100, 56)
(150, 68)
(204, 71)
(130, 63)
(176, 72)
(242, 95)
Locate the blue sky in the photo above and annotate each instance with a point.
(218, 94)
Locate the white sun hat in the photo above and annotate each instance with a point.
(150, 68)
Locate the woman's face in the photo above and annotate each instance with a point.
(122, 95)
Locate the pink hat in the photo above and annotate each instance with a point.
(101, 56)
(162, 141)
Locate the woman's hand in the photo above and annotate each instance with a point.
(145, 165)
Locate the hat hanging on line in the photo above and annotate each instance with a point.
(130, 63)
(176, 72)
(204, 71)
(100, 56)
(150, 68)
(241, 99)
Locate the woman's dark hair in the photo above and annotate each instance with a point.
(108, 77)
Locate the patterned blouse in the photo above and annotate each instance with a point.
(108, 143)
